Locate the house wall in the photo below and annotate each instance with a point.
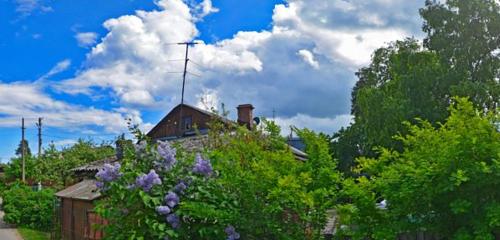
(75, 222)
(169, 126)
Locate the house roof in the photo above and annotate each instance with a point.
(84, 190)
(205, 112)
(96, 165)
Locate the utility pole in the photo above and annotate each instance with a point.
(39, 125)
(23, 150)
(186, 60)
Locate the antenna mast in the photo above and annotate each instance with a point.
(186, 60)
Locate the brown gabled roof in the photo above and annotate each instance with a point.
(205, 112)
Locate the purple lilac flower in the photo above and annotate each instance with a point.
(174, 221)
(167, 153)
(109, 172)
(99, 184)
(146, 182)
(171, 199)
(202, 166)
(231, 233)
(180, 187)
(163, 210)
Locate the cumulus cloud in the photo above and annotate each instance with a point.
(308, 57)
(86, 39)
(273, 69)
(31, 102)
(204, 8)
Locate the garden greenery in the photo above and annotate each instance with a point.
(244, 184)
(445, 182)
(25, 207)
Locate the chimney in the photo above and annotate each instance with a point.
(245, 115)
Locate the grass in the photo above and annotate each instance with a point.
(30, 234)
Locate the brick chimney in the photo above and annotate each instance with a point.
(245, 115)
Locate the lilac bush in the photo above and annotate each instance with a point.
(146, 182)
(167, 154)
(180, 187)
(171, 199)
(184, 196)
(163, 210)
(231, 233)
(174, 221)
(202, 166)
(108, 174)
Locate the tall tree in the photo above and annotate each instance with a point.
(403, 82)
(19, 150)
(406, 80)
(466, 36)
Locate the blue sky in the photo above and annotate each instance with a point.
(85, 65)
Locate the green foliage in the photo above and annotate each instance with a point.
(289, 197)
(408, 80)
(258, 186)
(25, 207)
(131, 211)
(466, 36)
(19, 150)
(13, 170)
(445, 181)
(54, 167)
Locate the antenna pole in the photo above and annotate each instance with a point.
(186, 60)
(39, 125)
(23, 151)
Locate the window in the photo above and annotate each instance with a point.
(187, 123)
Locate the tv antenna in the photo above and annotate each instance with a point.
(186, 60)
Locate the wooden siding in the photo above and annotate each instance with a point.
(169, 126)
(75, 222)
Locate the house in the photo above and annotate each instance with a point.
(184, 124)
(194, 120)
(189, 125)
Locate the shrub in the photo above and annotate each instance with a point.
(245, 183)
(29, 208)
(445, 181)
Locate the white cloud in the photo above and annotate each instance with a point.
(58, 68)
(204, 8)
(134, 59)
(208, 99)
(326, 125)
(308, 57)
(31, 102)
(64, 143)
(86, 39)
